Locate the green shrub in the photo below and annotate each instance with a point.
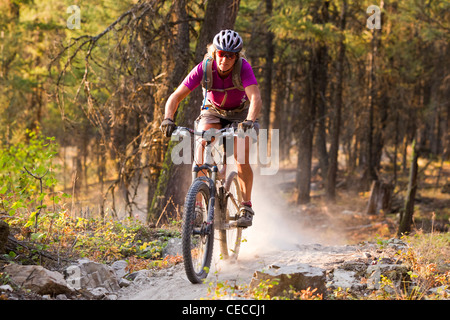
(27, 175)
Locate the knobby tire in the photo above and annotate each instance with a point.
(196, 267)
(230, 240)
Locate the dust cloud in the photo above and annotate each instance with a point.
(274, 228)
(276, 236)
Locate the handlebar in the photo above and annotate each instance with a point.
(224, 132)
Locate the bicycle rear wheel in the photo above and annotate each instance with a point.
(197, 232)
(230, 237)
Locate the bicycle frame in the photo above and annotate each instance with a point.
(209, 165)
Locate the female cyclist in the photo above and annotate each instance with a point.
(225, 103)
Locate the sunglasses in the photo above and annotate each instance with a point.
(229, 55)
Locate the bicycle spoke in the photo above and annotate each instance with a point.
(230, 235)
(197, 235)
(233, 201)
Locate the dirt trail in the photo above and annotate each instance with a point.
(274, 238)
(173, 284)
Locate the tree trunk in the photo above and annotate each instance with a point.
(406, 217)
(321, 87)
(446, 149)
(320, 82)
(280, 90)
(283, 117)
(334, 148)
(101, 172)
(77, 174)
(370, 173)
(305, 143)
(313, 109)
(268, 66)
(380, 198)
(394, 161)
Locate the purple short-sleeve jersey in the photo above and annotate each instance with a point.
(235, 97)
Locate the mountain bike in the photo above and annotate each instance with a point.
(212, 203)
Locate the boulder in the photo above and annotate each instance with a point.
(120, 268)
(38, 279)
(6, 288)
(348, 276)
(297, 277)
(91, 275)
(173, 248)
(394, 272)
(140, 276)
(344, 279)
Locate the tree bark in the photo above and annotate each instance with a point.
(320, 77)
(315, 95)
(406, 217)
(330, 186)
(321, 83)
(380, 198)
(267, 82)
(370, 173)
(305, 143)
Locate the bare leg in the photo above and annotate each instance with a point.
(201, 147)
(245, 178)
(245, 171)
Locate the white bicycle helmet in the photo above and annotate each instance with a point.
(228, 40)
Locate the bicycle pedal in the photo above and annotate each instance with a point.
(233, 224)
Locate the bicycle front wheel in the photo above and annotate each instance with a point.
(197, 232)
(230, 238)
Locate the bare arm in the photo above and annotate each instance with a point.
(174, 100)
(254, 96)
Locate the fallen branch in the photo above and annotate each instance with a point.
(31, 248)
(163, 211)
(365, 226)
